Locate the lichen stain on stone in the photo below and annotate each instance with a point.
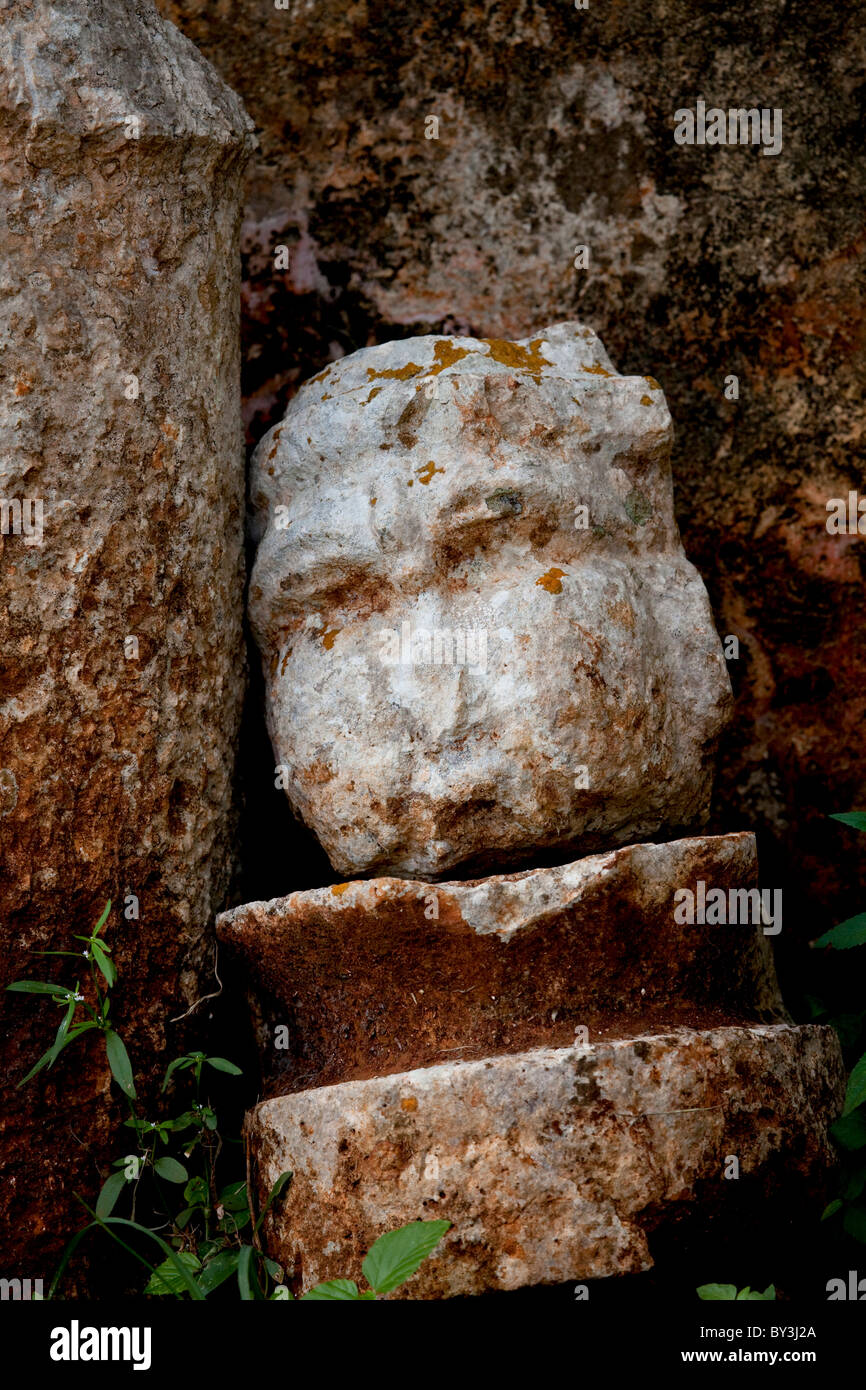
(446, 354)
(646, 400)
(638, 507)
(285, 661)
(408, 1103)
(597, 370)
(395, 373)
(372, 396)
(504, 502)
(338, 889)
(551, 581)
(653, 383)
(329, 637)
(373, 501)
(425, 474)
(326, 397)
(320, 377)
(525, 359)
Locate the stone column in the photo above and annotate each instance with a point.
(121, 480)
(485, 650)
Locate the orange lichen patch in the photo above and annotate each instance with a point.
(279, 431)
(411, 482)
(408, 1103)
(338, 889)
(285, 661)
(372, 396)
(321, 376)
(526, 359)
(329, 637)
(646, 400)
(653, 383)
(446, 354)
(326, 397)
(373, 501)
(552, 581)
(23, 387)
(597, 370)
(271, 455)
(425, 474)
(395, 373)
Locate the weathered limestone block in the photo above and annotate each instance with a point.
(121, 475)
(551, 1164)
(383, 975)
(481, 635)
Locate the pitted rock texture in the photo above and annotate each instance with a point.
(384, 975)
(122, 154)
(552, 1164)
(480, 633)
(556, 130)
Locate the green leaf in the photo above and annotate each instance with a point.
(179, 1064)
(335, 1290)
(275, 1192)
(110, 1191)
(234, 1197)
(855, 1093)
(103, 919)
(857, 819)
(748, 1295)
(167, 1278)
(196, 1192)
(245, 1259)
(217, 1270)
(106, 966)
(851, 1131)
(831, 1208)
(37, 987)
(718, 1293)
(220, 1064)
(396, 1255)
(851, 932)
(171, 1170)
(282, 1294)
(854, 1222)
(118, 1061)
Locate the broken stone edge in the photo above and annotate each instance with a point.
(552, 1165)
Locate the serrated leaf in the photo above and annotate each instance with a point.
(334, 1290)
(171, 1170)
(396, 1255)
(220, 1064)
(118, 1061)
(167, 1278)
(718, 1293)
(855, 1093)
(109, 1193)
(851, 932)
(856, 819)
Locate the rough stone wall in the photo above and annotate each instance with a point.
(121, 154)
(556, 130)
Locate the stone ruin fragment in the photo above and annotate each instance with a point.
(486, 654)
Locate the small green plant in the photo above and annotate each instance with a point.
(849, 1131)
(171, 1181)
(727, 1293)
